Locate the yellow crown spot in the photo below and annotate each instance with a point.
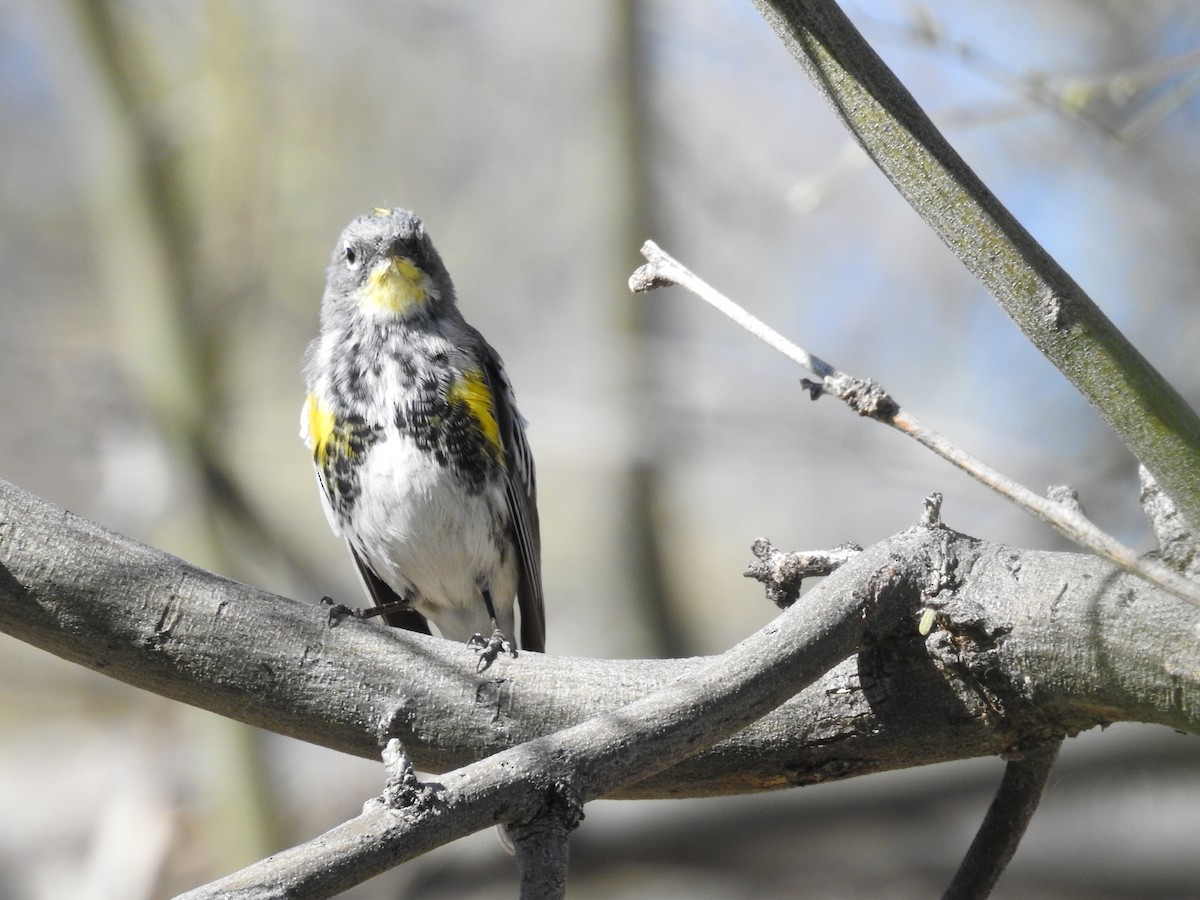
(320, 423)
(381, 211)
(472, 391)
(394, 286)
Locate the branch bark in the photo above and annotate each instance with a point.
(1027, 646)
(547, 780)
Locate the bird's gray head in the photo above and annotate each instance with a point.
(384, 267)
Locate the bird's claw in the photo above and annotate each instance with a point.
(490, 648)
(338, 612)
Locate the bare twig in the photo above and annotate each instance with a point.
(1054, 312)
(869, 399)
(782, 572)
(1004, 825)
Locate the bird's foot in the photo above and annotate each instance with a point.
(490, 648)
(339, 611)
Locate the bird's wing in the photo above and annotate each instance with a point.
(520, 489)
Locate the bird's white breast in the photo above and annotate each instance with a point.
(432, 540)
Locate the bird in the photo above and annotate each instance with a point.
(421, 457)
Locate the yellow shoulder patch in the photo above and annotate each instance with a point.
(472, 392)
(394, 286)
(319, 424)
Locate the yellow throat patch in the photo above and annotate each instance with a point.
(394, 286)
(472, 392)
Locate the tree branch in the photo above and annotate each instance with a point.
(1046, 304)
(543, 847)
(782, 573)
(542, 784)
(988, 679)
(1004, 825)
(869, 399)
(1177, 543)
(149, 619)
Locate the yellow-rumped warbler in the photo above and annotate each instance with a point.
(420, 453)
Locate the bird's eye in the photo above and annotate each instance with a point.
(351, 257)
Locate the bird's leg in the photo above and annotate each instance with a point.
(490, 648)
(339, 611)
(383, 609)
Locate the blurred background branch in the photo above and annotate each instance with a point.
(176, 230)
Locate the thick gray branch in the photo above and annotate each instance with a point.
(541, 785)
(1027, 645)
